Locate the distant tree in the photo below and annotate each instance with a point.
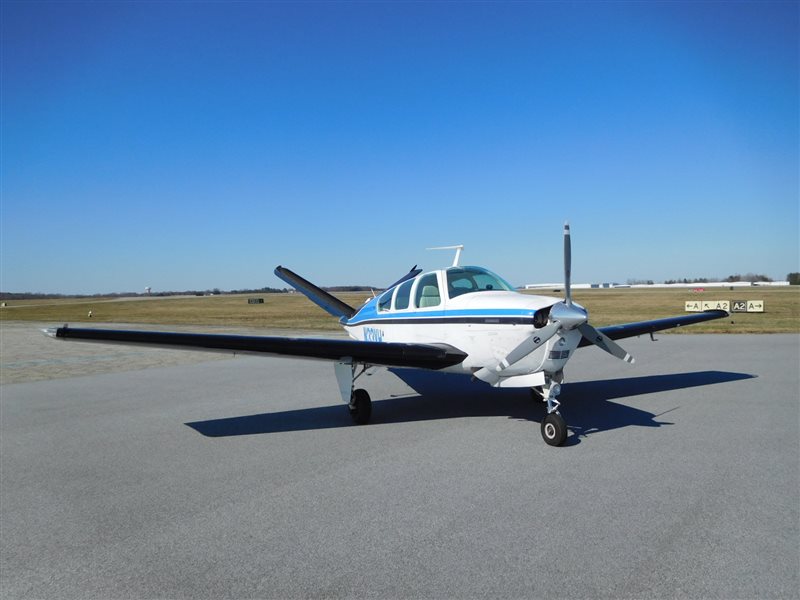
(747, 277)
(693, 280)
(793, 278)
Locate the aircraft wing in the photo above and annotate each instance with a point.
(618, 332)
(424, 356)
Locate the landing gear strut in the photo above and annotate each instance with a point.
(358, 401)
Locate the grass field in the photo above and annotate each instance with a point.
(294, 311)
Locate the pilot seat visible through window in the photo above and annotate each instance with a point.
(428, 292)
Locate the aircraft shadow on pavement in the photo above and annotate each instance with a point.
(587, 405)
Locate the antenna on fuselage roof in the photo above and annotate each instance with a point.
(458, 250)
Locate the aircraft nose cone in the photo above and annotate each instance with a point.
(570, 317)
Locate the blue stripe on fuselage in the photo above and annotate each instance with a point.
(368, 313)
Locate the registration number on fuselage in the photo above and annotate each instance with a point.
(373, 334)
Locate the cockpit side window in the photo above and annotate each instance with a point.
(463, 280)
(427, 292)
(385, 301)
(403, 295)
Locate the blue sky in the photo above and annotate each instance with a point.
(192, 145)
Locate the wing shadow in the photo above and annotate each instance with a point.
(591, 409)
(588, 404)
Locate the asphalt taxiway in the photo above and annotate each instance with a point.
(244, 478)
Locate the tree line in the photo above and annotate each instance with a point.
(792, 278)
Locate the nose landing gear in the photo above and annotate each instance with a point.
(554, 428)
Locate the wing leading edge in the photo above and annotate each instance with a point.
(422, 356)
(618, 332)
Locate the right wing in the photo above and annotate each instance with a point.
(421, 356)
(626, 330)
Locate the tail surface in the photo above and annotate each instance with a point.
(318, 296)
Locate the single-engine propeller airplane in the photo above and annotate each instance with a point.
(460, 319)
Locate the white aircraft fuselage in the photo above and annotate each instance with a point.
(473, 310)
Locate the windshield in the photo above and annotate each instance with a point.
(463, 280)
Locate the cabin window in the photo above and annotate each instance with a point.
(427, 291)
(403, 295)
(464, 280)
(385, 301)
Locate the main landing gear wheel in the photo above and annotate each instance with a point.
(554, 429)
(360, 407)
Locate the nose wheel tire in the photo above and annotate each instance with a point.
(554, 429)
(360, 407)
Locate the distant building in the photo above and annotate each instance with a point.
(575, 286)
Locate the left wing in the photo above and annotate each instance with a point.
(423, 356)
(618, 332)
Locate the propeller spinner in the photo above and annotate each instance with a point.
(564, 316)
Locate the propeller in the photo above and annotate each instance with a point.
(564, 316)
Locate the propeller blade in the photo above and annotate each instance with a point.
(606, 343)
(492, 374)
(567, 266)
